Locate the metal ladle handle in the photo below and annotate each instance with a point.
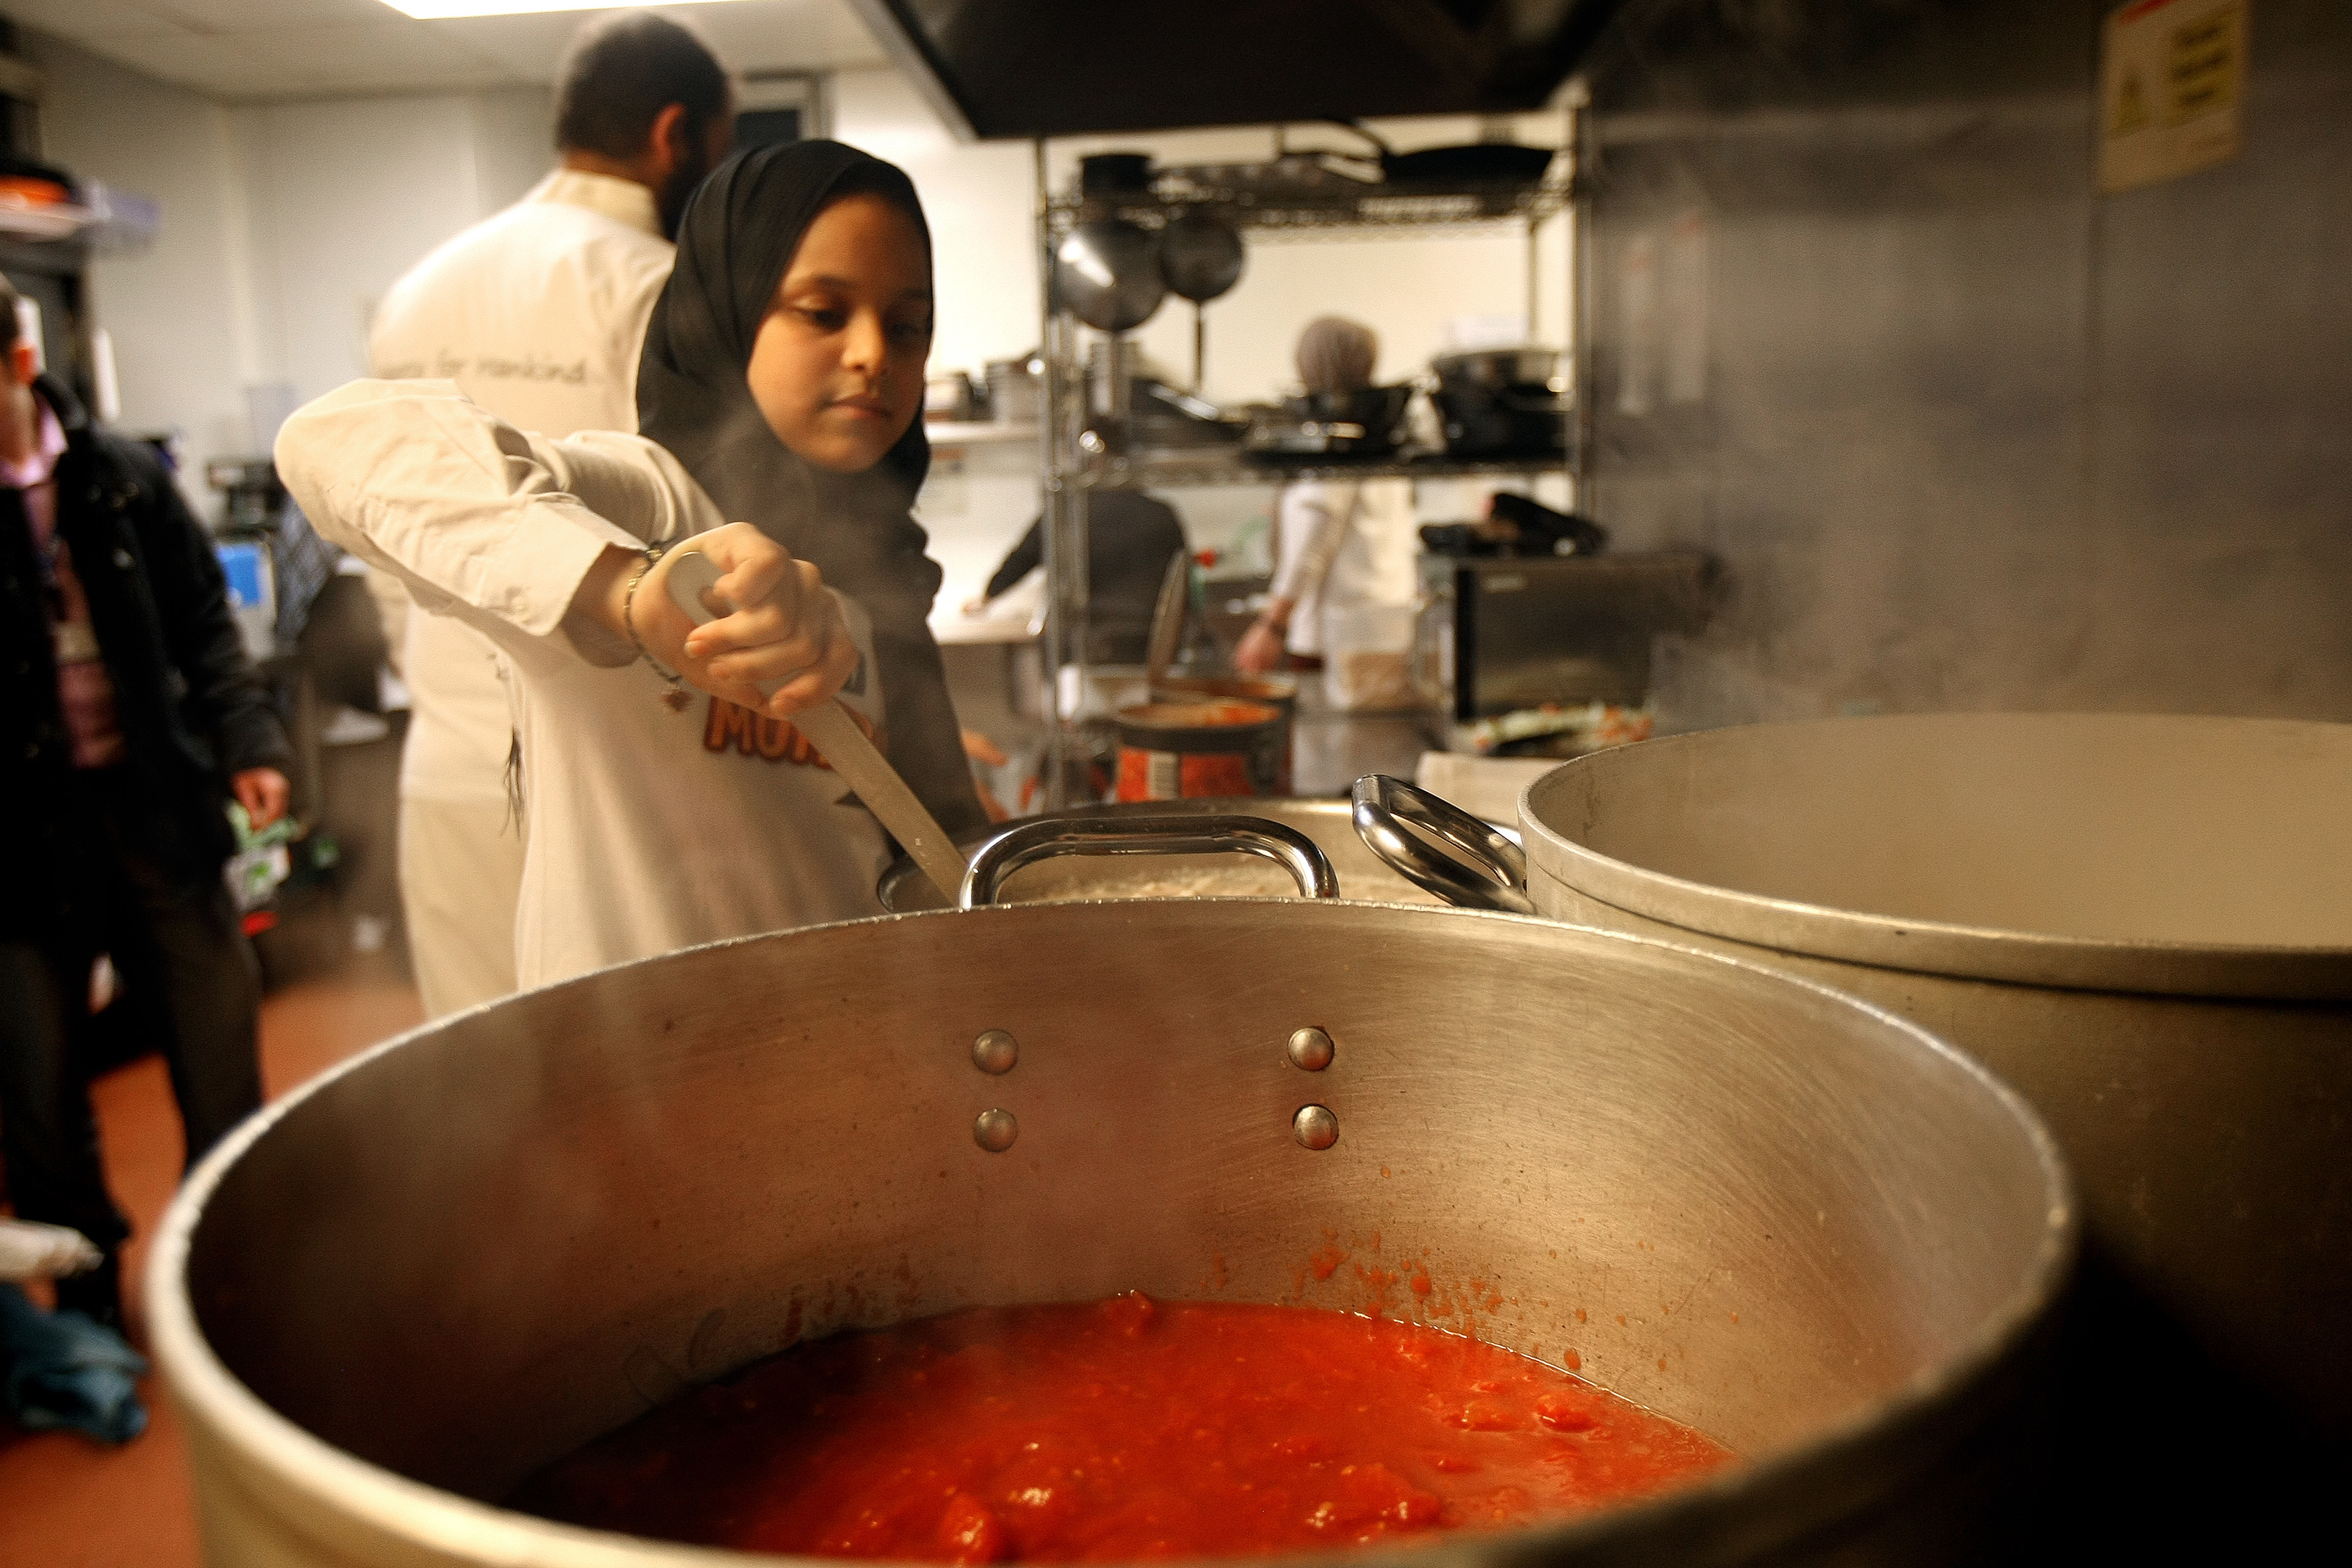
(1235, 835)
(1382, 808)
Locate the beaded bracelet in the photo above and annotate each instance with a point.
(677, 696)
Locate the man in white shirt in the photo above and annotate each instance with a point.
(538, 314)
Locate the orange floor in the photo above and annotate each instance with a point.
(66, 1502)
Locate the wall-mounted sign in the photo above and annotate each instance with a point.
(2172, 78)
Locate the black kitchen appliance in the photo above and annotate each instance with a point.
(1515, 525)
(1497, 634)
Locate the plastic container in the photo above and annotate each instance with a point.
(1367, 658)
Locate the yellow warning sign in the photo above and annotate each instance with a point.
(2203, 71)
(2131, 105)
(2172, 85)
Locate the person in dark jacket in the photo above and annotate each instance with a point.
(129, 718)
(1130, 538)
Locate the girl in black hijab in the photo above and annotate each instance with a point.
(755, 378)
(780, 388)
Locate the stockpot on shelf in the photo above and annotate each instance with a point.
(1806, 1227)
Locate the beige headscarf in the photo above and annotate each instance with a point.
(1335, 354)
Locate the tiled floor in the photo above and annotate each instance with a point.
(68, 1503)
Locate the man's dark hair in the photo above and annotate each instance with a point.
(622, 70)
(8, 326)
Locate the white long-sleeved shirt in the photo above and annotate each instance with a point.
(1344, 544)
(650, 827)
(538, 314)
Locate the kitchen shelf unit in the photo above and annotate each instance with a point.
(1174, 469)
(1333, 208)
(1344, 209)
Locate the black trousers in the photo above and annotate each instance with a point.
(187, 969)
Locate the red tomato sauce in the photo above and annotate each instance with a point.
(1118, 1430)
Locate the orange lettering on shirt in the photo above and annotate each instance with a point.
(772, 739)
(729, 725)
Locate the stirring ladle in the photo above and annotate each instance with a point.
(836, 734)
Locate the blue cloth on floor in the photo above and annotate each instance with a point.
(60, 1369)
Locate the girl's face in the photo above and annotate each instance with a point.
(837, 367)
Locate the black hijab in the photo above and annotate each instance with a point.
(739, 235)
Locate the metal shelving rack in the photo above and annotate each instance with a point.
(1334, 208)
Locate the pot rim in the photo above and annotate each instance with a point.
(2127, 964)
(1807, 1485)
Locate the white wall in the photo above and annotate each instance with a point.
(281, 227)
(348, 193)
(177, 319)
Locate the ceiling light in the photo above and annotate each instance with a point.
(438, 10)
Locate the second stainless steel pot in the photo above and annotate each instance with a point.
(2143, 922)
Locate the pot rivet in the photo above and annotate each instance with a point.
(1314, 1127)
(1311, 1050)
(994, 1130)
(995, 1051)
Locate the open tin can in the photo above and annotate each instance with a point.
(1186, 750)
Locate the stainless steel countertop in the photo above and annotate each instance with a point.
(1330, 750)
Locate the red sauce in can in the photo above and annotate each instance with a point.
(1115, 1431)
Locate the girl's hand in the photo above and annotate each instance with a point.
(782, 648)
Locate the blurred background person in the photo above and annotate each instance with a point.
(1339, 544)
(539, 315)
(1130, 538)
(132, 718)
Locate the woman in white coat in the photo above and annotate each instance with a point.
(1343, 546)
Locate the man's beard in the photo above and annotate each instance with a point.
(678, 190)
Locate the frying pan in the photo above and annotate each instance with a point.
(1470, 164)
(1108, 272)
(1201, 256)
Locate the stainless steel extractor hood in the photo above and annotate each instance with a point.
(1067, 67)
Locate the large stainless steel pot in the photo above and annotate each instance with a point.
(1805, 1227)
(904, 889)
(2142, 923)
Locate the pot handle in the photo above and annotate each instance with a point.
(1238, 835)
(1383, 808)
